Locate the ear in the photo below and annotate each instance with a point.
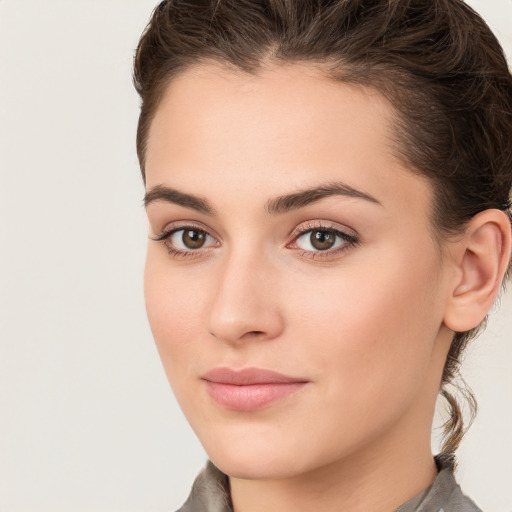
(481, 258)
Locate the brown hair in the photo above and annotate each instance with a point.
(436, 61)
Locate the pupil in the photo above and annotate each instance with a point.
(193, 239)
(322, 240)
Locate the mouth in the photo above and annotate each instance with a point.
(249, 389)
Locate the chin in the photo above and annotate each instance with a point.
(247, 455)
(254, 467)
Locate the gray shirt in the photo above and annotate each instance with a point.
(210, 493)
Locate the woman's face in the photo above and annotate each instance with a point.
(292, 242)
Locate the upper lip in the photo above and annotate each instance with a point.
(248, 376)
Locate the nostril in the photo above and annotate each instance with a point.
(248, 334)
(254, 334)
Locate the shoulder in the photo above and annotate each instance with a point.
(210, 492)
(444, 495)
(455, 499)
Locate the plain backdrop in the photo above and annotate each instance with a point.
(87, 421)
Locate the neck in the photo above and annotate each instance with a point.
(379, 480)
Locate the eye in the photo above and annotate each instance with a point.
(322, 241)
(186, 240)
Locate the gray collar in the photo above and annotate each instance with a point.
(210, 493)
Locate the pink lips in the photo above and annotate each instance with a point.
(249, 389)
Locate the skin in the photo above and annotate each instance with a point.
(367, 324)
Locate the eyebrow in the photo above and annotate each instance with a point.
(302, 198)
(281, 204)
(171, 195)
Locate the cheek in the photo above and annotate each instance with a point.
(175, 303)
(372, 328)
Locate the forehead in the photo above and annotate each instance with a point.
(287, 96)
(285, 123)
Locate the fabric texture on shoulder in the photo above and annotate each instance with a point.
(444, 495)
(210, 493)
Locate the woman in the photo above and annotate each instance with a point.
(327, 188)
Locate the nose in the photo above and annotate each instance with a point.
(245, 306)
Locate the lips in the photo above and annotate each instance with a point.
(249, 389)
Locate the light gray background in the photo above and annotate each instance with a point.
(87, 422)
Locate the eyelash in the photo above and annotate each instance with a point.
(166, 235)
(348, 241)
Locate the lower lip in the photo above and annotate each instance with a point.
(251, 397)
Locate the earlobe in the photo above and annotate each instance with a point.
(483, 255)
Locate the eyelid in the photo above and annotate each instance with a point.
(166, 234)
(349, 236)
(172, 227)
(310, 225)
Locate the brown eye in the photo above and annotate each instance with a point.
(322, 240)
(193, 238)
(188, 239)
